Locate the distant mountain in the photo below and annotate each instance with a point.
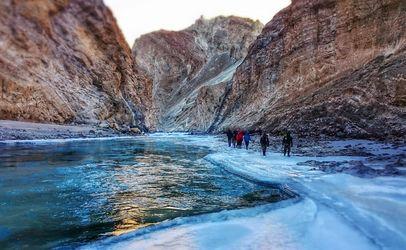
(191, 68)
(66, 61)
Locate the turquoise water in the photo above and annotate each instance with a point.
(71, 193)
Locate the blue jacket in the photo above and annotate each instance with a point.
(247, 137)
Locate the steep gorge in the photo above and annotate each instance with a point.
(318, 67)
(66, 61)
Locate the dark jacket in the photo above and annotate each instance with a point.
(264, 141)
(229, 134)
(287, 141)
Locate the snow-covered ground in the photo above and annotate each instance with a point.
(331, 210)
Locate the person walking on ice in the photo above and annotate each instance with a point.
(234, 139)
(264, 141)
(240, 138)
(247, 139)
(229, 137)
(287, 142)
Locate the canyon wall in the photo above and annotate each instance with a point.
(335, 67)
(318, 67)
(191, 69)
(66, 61)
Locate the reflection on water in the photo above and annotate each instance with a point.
(74, 192)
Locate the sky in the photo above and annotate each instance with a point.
(137, 17)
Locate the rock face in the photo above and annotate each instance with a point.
(66, 61)
(324, 66)
(192, 68)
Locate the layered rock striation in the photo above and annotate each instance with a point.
(66, 61)
(324, 67)
(192, 68)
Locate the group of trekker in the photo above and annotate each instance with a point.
(237, 137)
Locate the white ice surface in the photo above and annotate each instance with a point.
(334, 211)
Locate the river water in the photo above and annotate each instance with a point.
(69, 193)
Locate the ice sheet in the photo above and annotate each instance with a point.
(302, 225)
(334, 211)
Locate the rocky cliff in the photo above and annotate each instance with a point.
(335, 67)
(192, 68)
(66, 61)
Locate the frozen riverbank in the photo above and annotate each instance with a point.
(336, 209)
(15, 130)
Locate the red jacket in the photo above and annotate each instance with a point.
(240, 136)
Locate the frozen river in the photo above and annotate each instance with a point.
(67, 193)
(192, 192)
